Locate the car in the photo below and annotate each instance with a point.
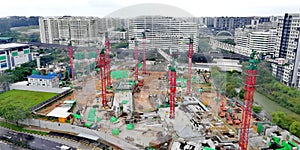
(13, 133)
(6, 136)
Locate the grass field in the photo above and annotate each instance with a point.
(24, 98)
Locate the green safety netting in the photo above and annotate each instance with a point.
(77, 65)
(140, 65)
(183, 85)
(181, 80)
(195, 79)
(131, 82)
(92, 114)
(98, 119)
(35, 72)
(88, 124)
(286, 146)
(259, 128)
(113, 119)
(115, 131)
(124, 101)
(217, 99)
(79, 55)
(119, 74)
(130, 126)
(92, 66)
(92, 54)
(276, 139)
(293, 144)
(207, 148)
(76, 116)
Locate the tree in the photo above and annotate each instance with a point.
(229, 41)
(14, 113)
(279, 118)
(295, 128)
(257, 109)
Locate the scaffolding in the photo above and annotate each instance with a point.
(84, 63)
(120, 74)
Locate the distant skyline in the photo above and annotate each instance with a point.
(102, 8)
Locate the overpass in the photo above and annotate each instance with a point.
(227, 65)
(223, 64)
(231, 48)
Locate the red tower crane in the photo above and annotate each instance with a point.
(190, 55)
(136, 57)
(172, 73)
(102, 66)
(144, 53)
(249, 88)
(107, 45)
(70, 54)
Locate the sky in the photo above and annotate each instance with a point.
(102, 8)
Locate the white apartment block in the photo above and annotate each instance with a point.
(117, 36)
(262, 42)
(288, 49)
(82, 31)
(13, 55)
(162, 32)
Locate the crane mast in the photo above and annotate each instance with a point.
(70, 55)
(136, 57)
(107, 59)
(190, 55)
(172, 81)
(249, 88)
(102, 66)
(144, 52)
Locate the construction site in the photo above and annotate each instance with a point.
(153, 105)
(158, 105)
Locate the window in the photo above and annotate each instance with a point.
(3, 65)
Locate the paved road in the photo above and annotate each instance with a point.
(5, 146)
(30, 140)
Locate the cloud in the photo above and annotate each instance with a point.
(104, 7)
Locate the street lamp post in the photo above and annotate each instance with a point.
(238, 92)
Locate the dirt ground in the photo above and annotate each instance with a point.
(151, 86)
(87, 94)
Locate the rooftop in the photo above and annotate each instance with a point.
(60, 112)
(125, 85)
(12, 45)
(5, 38)
(41, 76)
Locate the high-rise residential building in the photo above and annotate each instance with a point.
(82, 31)
(287, 50)
(260, 41)
(230, 23)
(162, 32)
